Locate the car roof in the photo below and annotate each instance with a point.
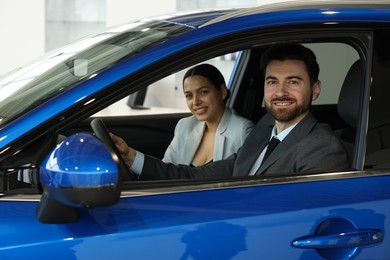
(200, 18)
(197, 18)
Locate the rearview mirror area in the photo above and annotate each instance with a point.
(80, 173)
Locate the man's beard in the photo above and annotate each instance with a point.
(287, 114)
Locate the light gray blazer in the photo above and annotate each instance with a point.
(231, 134)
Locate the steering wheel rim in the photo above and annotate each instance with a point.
(101, 132)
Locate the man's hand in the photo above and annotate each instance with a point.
(127, 152)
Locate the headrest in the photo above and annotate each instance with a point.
(349, 98)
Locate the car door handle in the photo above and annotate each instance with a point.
(362, 237)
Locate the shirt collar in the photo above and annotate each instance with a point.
(282, 134)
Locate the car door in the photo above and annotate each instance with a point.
(331, 215)
(328, 215)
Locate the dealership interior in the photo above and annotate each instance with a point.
(42, 26)
(31, 28)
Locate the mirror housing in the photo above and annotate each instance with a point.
(81, 172)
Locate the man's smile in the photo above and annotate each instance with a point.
(283, 103)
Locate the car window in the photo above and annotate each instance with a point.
(30, 86)
(335, 58)
(165, 95)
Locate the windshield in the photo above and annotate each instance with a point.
(27, 87)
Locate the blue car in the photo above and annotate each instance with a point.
(63, 195)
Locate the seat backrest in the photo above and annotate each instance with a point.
(378, 132)
(349, 106)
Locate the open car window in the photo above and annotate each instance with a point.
(335, 59)
(32, 85)
(165, 95)
(152, 134)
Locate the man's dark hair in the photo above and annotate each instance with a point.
(293, 52)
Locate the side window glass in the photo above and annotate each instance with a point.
(378, 132)
(165, 95)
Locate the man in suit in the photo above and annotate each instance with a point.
(290, 85)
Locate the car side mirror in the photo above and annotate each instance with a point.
(80, 173)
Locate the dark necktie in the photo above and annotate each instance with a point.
(271, 146)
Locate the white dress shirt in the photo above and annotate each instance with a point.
(279, 136)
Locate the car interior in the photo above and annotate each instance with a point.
(152, 133)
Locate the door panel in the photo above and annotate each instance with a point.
(254, 222)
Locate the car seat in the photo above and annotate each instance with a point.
(349, 104)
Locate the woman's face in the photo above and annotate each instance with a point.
(203, 99)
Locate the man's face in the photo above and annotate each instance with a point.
(287, 91)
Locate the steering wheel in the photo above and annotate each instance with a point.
(101, 131)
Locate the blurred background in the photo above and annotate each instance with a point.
(31, 28)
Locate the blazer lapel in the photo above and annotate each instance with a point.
(219, 146)
(301, 130)
(191, 144)
(253, 146)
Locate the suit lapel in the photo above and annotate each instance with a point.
(219, 146)
(301, 130)
(253, 146)
(191, 144)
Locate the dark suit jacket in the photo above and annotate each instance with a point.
(309, 147)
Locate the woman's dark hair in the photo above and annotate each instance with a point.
(293, 52)
(209, 72)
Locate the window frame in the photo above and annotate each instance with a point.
(361, 40)
(211, 49)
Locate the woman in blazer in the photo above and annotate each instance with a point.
(214, 131)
